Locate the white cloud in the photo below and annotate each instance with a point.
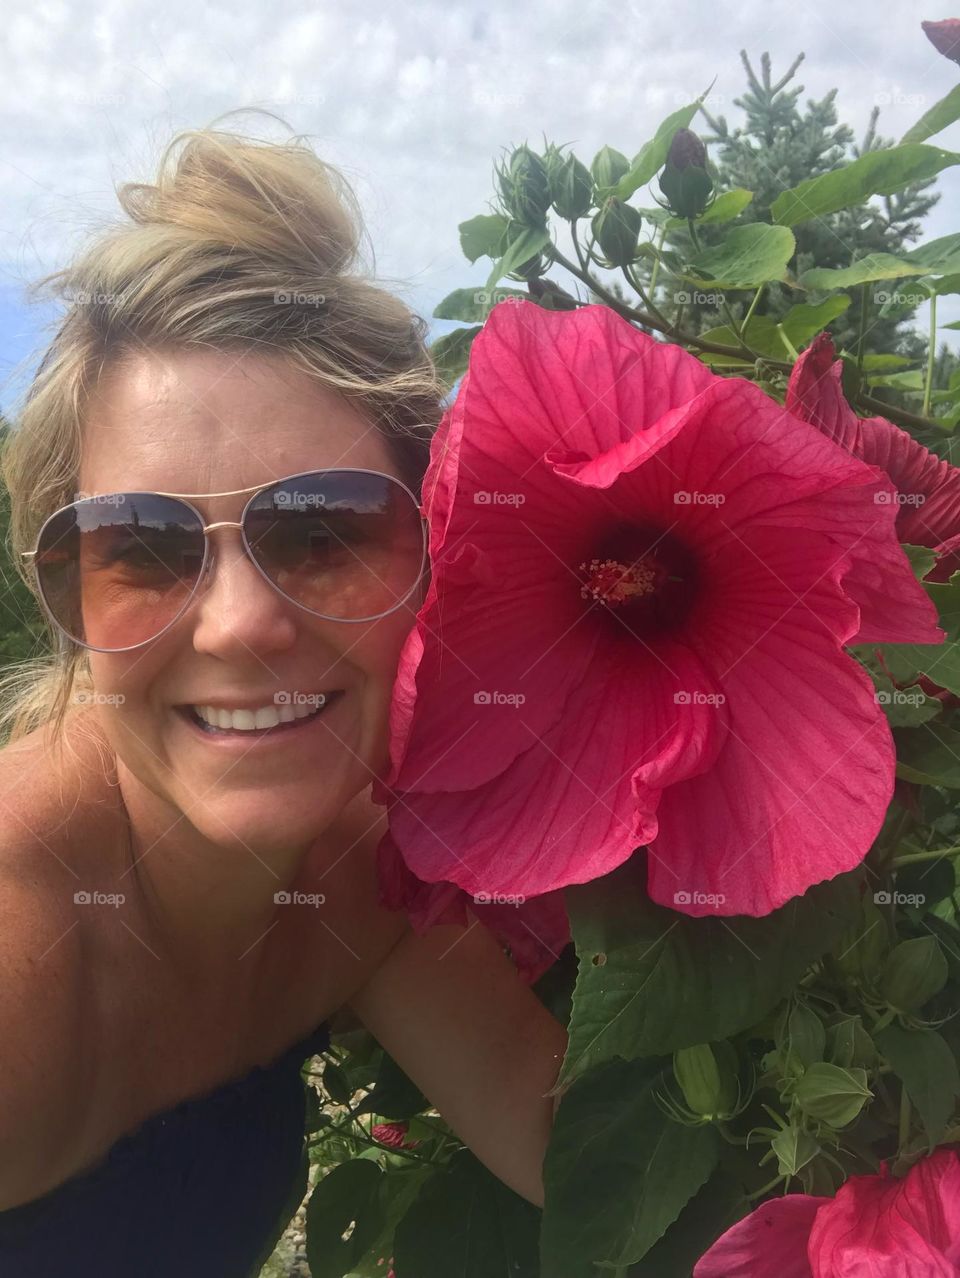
(414, 104)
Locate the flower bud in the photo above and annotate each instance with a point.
(848, 1043)
(831, 1094)
(802, 1038)
(524, 188)
(794, 1148)
(915, 970)
(616, 229)
(571, 188)
(944, 36)
(684, 179)
(608, 167)
(707, 1075)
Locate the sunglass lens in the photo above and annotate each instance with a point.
(117, 569)
(348, 545)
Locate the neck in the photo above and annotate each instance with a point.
(211, 906)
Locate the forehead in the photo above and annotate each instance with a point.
(216, 421)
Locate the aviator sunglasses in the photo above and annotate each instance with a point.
(116, 570)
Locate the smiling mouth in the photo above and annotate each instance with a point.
(292, 725)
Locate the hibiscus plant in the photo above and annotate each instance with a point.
(678, 722)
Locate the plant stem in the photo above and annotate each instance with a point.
(911, 858)
(903, 1131)
(750, 309)
(661, 235)
(928, 384)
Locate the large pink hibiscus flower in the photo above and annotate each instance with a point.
(873, 1227)
(643, 579)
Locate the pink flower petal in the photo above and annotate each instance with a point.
(881, 1227)
(799, 790)
(536, 931)
(931, 513)
(569, 809)
(769, 1243)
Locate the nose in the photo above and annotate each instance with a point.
(238, 613)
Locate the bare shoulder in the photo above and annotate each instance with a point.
(45, 1067)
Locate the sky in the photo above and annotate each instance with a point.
(414, 104)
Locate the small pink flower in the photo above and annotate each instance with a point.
(644, 576)
(393, 1134)
(875, 1226)
(945, 37)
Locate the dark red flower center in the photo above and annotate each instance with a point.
(645, 576)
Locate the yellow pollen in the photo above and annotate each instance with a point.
(612, 582)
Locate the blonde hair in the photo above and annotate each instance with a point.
(230, 222)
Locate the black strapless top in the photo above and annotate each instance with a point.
(202, 1190)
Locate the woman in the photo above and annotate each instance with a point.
(214, 486)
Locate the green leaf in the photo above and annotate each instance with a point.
(938, 661)
(750, 255)
(875, 266)
(904, 707)
(929, 755)
(473, 305)
(876, 173)
(399, 1187)
(451, 353)
(725, 208)
(394, 1097)
(946, 596)
(762, 335)
(716, 1206)
(618, 1170)
(482, 236)
(336, 1084)
(653, 154)
(938, 117)
(805, 320)
(926, 1065)
(467, 1222)
(346, 1201)
(922, 559)
(652, 980)
(939, 257)
(529, 242)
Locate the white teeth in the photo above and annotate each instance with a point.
(264, 717)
